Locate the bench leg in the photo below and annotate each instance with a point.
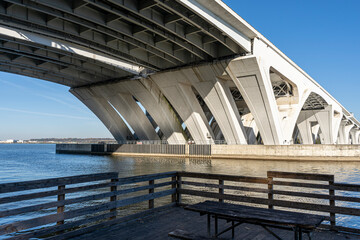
(309, 235)
(232, 230)
(298, 233)
(216, 226)
(209, 225)
(271, 232)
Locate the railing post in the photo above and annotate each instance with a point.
(178, 187)
(173, 186)
(151, 190)
(221, 189)
(270, 189)
(113, 198)
(61, 197)
(332, 203)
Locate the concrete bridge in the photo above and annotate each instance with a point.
(171, 70)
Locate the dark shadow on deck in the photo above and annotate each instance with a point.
(159, 224)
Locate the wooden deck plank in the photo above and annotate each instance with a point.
(158, 225)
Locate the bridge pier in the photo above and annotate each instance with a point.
(126, 105)
(218, 98)
(306, 123)
(105, 112)
(182, 98)
(255, 87)
(355, 136)
(344, 132)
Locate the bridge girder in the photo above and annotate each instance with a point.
(212, 75)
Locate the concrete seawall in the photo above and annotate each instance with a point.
(290, 152)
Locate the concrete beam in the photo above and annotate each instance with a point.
(103, 110)
(69, 47)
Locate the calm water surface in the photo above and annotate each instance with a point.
(23, 162)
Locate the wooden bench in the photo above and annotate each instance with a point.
(238, 214)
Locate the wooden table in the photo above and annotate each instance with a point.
(238, 214)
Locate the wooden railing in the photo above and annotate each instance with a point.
(63, 205)
(312, 193)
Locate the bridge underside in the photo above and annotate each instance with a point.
(174, 70)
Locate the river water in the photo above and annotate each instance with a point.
(23, 162)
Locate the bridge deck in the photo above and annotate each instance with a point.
(158, 225)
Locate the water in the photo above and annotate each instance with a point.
(22, 162)
(30, 162)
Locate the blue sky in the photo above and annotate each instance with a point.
(322, 37)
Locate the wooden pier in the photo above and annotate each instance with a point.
(103, 206)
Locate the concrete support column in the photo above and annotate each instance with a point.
(305, 125)
(329, 124)
(105, 112)
(344, 131)
(251, 129)
(125, 104)
(154, 102)
(183, 99)
(218, 99)
(253, 82)
(315, 130)
(355, 135)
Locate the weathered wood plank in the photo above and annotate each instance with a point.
(280, 192)
(151, 190)
(65, 226)
(61, 198)
(257, 215)
(52, 182)
(39, 221)
(185, 235)
(346, 187)
(230, 187)
(215, 195)
(79, 200)
(340, 228)
(223, 177)
(144, 178)
(81, 231)
(53, 192)
(159, 224)
(279, 203)
(304, 176)
(142, 198)
(304, 185)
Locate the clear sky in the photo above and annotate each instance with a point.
(321, 36)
